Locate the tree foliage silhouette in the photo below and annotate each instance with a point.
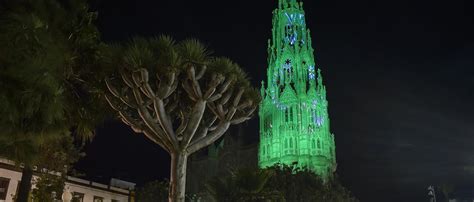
(178, 97)
(48, 73)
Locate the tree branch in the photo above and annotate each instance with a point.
(141, 128)
(216, 80)
(194, 82)
(182, 125)
(226, 98)
(209, 139)
(150, 121)
(187, 87)
(201, 73)
(163, 118)
(165, 90)
(194, 121)
(119, 96)
(238, 97)
(125, 79)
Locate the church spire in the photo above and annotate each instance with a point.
(294, 123)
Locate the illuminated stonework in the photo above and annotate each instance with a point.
(294, 121)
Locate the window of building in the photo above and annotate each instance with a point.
(77, 197)
(268, 151)
(4, 182)
(291, 115)
(98, 199)
(268, 122)
(319, 144)
(311, 128)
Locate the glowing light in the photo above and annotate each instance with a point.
(290, 17)
(293, 113)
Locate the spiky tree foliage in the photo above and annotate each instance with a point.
(178, 97)
(47, 53)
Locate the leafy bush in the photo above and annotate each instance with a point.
(278, 183)
(155, 191)
(301, 185)
(243, 185)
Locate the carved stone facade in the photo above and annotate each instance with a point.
(294, 120)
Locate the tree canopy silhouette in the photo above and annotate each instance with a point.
(178, 96)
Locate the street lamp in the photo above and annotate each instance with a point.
(67, 196)
(432, 194)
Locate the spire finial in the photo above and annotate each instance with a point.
(287, 3)
(281, 3)
(320, 78)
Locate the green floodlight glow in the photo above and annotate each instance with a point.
(294, 121)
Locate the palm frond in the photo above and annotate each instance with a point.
(192, 50)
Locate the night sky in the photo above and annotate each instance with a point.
(399, 76)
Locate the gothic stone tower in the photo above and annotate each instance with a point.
(294, 121)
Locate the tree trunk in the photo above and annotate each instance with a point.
(25, 184)
(178, 177)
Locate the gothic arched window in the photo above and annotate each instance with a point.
(268, 122)
(268, 150)
(311, 128)
(290, 114)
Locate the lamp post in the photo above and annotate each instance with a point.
(67, 196)
(432, 194)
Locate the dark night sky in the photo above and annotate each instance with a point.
(399, 76)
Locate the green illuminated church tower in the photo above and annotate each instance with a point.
(294, 120)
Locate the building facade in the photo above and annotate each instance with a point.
(81, 190)
(294, 120)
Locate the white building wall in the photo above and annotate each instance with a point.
(14, 177)
(88, 191)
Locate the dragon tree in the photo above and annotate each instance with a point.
(178, 96)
